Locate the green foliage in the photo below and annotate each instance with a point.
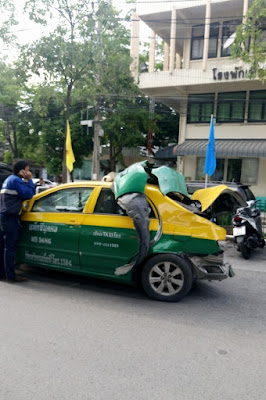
(11, 89)
(167, 123)
(78, 60)
(77, 65)
(7, 8)
(249, 44)
(8, 158)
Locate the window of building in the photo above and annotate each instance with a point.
(231, 107)
(218, 174)
(197, 41)
(229, 28)
(249, 170)
(200, 108)
(232, 169)
(257, 106)
(213, 40)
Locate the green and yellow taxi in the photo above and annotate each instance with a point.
(79, 227)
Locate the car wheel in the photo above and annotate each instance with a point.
(167, 277)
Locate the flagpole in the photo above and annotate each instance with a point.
(70, 158)
(210, 158)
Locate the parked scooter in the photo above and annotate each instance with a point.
(247, 229)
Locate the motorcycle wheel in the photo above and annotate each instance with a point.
(245, 251)
(262, 244)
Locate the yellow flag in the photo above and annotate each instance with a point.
(70, 158)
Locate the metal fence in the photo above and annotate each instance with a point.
(263, 220)
(226, 222)
(261, 204)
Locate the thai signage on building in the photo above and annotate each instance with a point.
(237, 73)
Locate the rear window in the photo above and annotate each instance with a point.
(192, 189)
(106, 204)
(248, 193)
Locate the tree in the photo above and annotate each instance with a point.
(41, 128)
(11, 88)
(125, 125)
(250, 40)
(77, 57)
(7, 20)
(77, 66)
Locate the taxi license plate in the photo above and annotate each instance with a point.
(239, 230)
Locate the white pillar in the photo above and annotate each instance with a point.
(134, 45)
(183, 119)
(245, 9)
(152, 51)
(206, 34)
(178, 61)
(166, 57)
(172, 40)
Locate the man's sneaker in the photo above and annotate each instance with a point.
(17, 279)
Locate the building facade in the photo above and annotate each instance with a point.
(199, 78)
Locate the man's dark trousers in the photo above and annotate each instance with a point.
(9, 234)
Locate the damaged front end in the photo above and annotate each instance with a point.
(212, 267)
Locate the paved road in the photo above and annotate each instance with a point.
(63, 337)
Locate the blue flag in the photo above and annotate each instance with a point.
(210, 159)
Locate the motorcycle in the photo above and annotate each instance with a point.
(247, 229)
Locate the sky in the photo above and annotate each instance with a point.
(28, 31)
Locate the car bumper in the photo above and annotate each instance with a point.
(212, 267)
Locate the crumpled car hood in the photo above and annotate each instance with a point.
(170, 180)
(209, 196)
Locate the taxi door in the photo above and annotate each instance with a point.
(51, 229)
(108, 238)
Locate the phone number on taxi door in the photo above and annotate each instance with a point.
(114, 245)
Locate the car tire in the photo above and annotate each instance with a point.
(167, 277)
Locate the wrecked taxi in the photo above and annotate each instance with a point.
(141, 228)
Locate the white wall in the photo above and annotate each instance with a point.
(190, 164)
(150, 7)
(260, 188)
(227, 131)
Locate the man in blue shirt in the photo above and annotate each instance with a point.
(16, 188)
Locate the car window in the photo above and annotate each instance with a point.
(65, 200)
(106, 204)
(249, 194)
(192, 189)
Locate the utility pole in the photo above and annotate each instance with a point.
(97, 118)
(151, 128)
(96, 147)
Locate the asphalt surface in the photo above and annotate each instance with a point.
(66, 337)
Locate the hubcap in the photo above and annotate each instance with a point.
(166, 278)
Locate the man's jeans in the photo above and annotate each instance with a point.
(9, 234)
